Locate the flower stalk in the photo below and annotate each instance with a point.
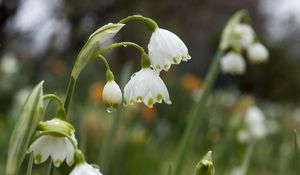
(197, 114)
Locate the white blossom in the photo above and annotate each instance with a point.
(85, 169)
(9, 64)
(58, 148)
(145, 86)
(112, 95)
(233, 63)
(257, 53)
(166, 48)
(255, 123)
(242, 35)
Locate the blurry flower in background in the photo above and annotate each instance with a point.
(190, 82)
(233, 63)
(255, 125)
(148, 114)
(139, 136)
(242, 36)
(257, 53)
(166, 48)
(95, 92)
(9, 64)
(59, 67)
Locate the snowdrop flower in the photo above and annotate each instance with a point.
(255, 122)
(145, 86)
(166, 48)
(58, 148)
(257, 53)
(233, 63)
(112, 95)
(242, 35)
(85, 169)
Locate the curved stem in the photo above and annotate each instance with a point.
(54, 97)
(61, 110)
(197, 114)
(150, 23)
(73, 79)
(120, 44)
(105, 62)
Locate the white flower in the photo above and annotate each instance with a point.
(58, 148)
(85, 169)
(112, 95)
(9, 64)
(166, 48)
(233, 63)
(255, 122)
(242, 35)
(146, 86)
(257, 53)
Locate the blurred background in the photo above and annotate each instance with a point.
(39, 40)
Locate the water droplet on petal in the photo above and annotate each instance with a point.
(133, 75)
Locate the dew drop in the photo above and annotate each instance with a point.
(133, 75)
(125, 45)
(110, 110)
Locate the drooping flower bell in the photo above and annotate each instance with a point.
(112, 95)
(145, 86)
(55, 144)
(233, 63)
(255, 123)
(85, 169)
(166, 48)
(257, 53)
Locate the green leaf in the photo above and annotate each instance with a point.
(24, 129)
(226, 34)
(103, 34)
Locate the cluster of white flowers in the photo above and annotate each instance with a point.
(146, 86)
(255, 125)
(242, 37)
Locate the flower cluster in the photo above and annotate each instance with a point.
(146, 86)
(242, 37)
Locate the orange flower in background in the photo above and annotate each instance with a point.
(96, 92)
(59, 67)
(148, 114)
(190, 82)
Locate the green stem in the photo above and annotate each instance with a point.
(196, 114)
(247, 158)
(70, 91)
(51, 168)
(105, 61)
(150, 23)
(30, 164)
(61, 114)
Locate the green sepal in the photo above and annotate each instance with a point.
(93, 44)
(145, 62)
(109, 76)
(205, 165)
(24, 129)
(57, 126)
(227, 32)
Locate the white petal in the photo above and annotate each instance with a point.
(59, 152)
(85, 169)
(233, 63)
(257, 53)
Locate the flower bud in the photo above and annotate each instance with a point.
(112, 95)
(205, 166)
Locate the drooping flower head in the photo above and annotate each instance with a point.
(112, 95)
(255, 123)
(233, 63)
(166, 48)
(257, 53)
(145, 86)
(57, 146)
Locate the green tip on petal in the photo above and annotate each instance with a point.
(205, 165)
